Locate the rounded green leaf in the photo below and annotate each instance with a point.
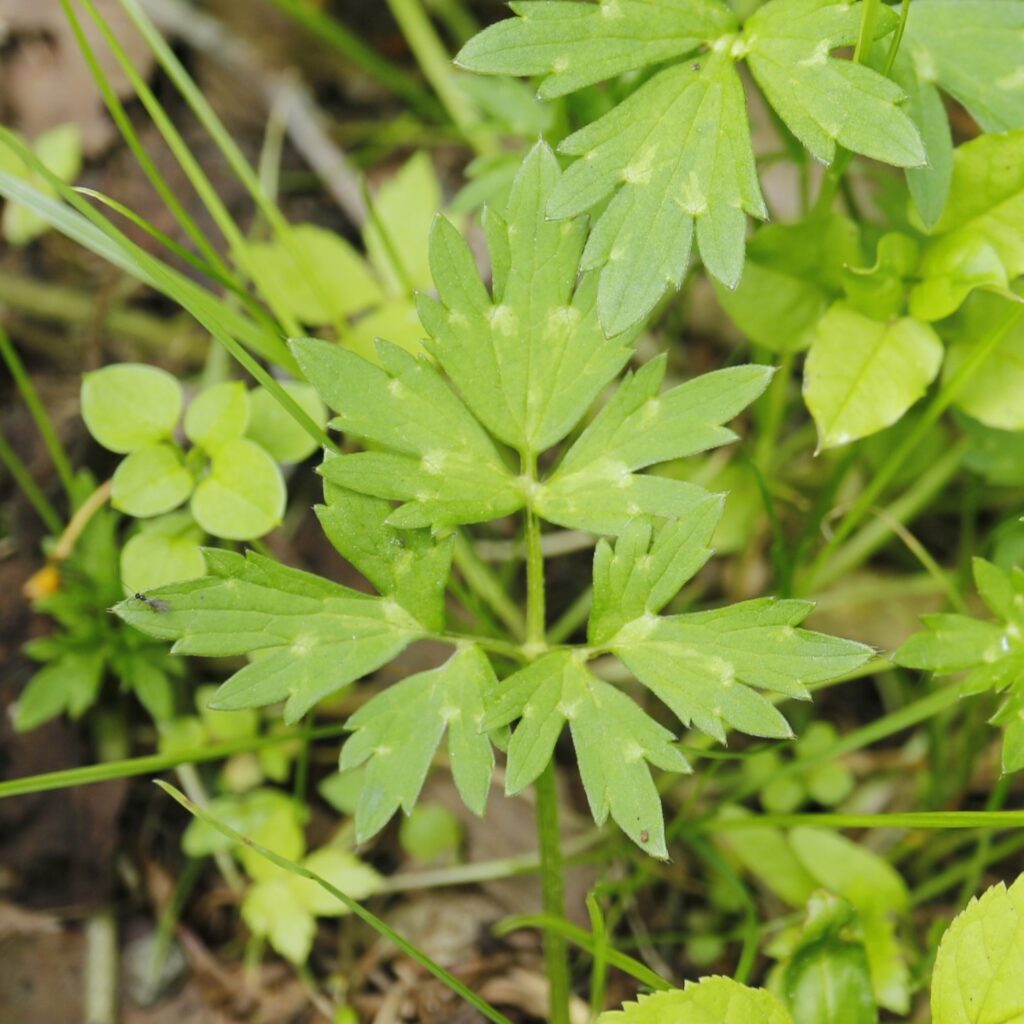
(130, 405)
(863, 374)
(244, 495)
(166, 550)
(275, 430)
(977, 977)
(218, 414)
(150, 481)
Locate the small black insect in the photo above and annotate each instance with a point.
(644, 835)
(695, 65)
(155, 603)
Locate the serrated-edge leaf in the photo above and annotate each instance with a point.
(397, 733)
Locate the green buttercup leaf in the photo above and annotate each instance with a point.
(151, 480)
(678, 158)
(647, 568)
(165, 550)
(398, 732)
(979, 240)
(409, 565)
(432, 454)
(577, 44)
(130, 405)
(705, 665)
(792, 274)
(993, 394)
(596, 486)
(613, 738)
(826, 101)
(275, 431)
(218, 414)
(344, 871)
(709, 1001)
(991, 653)
(284, 907)
(244, 494)
(271, 911)
(863, 374)
(309, 637)
(530, 359)
(343, 284)
(977, 978)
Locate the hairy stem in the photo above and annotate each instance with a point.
(553, 891)
(548, 835)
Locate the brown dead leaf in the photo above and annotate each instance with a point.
(44, 79)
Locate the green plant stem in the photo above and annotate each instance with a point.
(868, 21)
(578, 937)
(897, 39)
(486, 585)
(193, 786)
(874, 534)
(152, 764)
(548, 833)
(976, 864)
(946, 395)
(20, 475)
(944, 880)
(344, 41)
(927, 820)
(436, 64)
(487, 870)
(43, 423)
(556, 953)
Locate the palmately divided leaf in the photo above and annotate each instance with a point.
(531, 359)
(825, 100)
(596, 487)
(677, 154)
(977, 977)
(398, 732)
(430, 452)
(576, 44)
(613, 737)
(648, 567)
(991, 653)
(310, 637)
(705, 665)
(708, 1001)
(409, 565)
